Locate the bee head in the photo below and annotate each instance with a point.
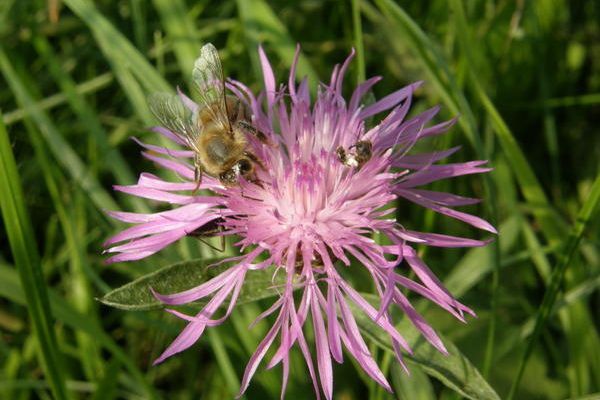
(242, 167)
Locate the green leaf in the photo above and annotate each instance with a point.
(416, 386)
(176, 278)
(132, 70)
(453, 370)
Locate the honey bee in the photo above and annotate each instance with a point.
(216, 133)
(363, 150)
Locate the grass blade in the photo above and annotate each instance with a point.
(261, 25)
(358, 42)
(80, 290)
(434, 62)
(181, 32)
(224, 362)
(61, 149)
(572, 243)
(11, 289)
(134, 72)
(87, 116)
(24, 250)
(116, 46)
(90, 86)
(550, 222)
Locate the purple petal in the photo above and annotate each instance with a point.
(389, 101)
(152, 243)
(169, 135)
(469, 219)
(292, 76)
(437, 172)
(360, 91)
(419, 322)
(145, 229)
(323, 357)
(339, 80)
(189, 103)
(333, 329)
(445, 199)
(183, 170)
(190, 334)
(439, 128)
(154, 194)
(357, 346)
(372, 313)
(439, 240)
(164, 150)
(259, 354)
(269, 78)
(420, 161)
(297, 328)
(429, 279)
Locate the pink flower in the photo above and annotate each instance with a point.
(309, 216)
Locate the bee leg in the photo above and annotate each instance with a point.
(254, 180)
(222, 243)
(197, 175)
(221, 247)
(248, 127)
(255, 160)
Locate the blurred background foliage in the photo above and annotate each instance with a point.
(524, 76)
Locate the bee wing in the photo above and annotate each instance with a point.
(208, 76)
(175, 116)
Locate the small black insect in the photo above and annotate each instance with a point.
(210, 229)
(363, 150)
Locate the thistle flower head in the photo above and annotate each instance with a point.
(324, 184)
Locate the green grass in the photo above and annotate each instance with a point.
(523, 76)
